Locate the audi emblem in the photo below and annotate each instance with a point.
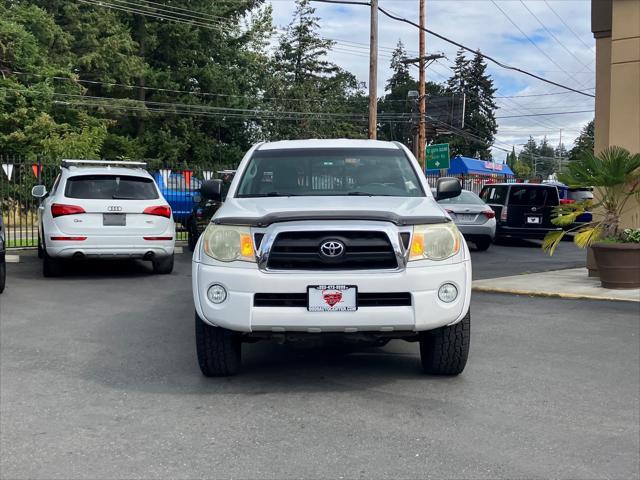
(114, 208)
(332, 249)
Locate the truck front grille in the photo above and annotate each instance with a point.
(370, 299)
(363, 250)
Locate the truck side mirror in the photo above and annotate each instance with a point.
(212, 190)
(447, 187)
(39, 191)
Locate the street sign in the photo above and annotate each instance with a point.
(438, 156)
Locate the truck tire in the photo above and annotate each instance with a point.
(51, 267)
(163, 265)
(219, 350)
(192, 236)
(444, 351)
(483, 244)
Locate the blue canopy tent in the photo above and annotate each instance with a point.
(473, 166)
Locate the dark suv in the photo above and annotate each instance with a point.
(523, 210)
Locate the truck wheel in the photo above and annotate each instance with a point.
(444, 351)
(163, 265)
(483, 243)
(51, 267)
(218, 350)
(192, 237)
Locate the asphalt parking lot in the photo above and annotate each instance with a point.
(98, 379)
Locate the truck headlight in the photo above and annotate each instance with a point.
(228, 243)
(434, 242)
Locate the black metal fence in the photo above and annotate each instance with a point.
(178, 182)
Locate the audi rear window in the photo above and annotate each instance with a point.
(538, 196)
(110, 187)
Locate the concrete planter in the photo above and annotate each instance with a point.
(618, 264)
(592, 267)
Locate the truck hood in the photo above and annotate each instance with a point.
(263, 211)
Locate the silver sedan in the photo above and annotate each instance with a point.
(474, 218)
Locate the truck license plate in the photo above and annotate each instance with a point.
(332, 298)
(534, 220)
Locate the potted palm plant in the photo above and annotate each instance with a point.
(615, 176)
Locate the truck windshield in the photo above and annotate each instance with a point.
(329, 172)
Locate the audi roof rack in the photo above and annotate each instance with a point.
(66, 163)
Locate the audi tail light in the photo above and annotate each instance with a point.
(489, 213)
(59, 210)
(159, 210)
(503, 214)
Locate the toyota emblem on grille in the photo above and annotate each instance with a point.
(332, 248)
(114, 208)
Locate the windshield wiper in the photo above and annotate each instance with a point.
(120, 197)
(366, 194)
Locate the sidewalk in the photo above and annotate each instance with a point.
(571, 283)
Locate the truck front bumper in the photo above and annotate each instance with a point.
(238, 312)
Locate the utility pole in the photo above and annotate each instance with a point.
(560, 152)
(422, 98)
(373, 72)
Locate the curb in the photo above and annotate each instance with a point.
(12, 258)
(568, 296)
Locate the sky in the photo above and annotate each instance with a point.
(559, 47)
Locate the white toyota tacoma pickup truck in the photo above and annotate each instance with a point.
(331, 238)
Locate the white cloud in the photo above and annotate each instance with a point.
(479, 24)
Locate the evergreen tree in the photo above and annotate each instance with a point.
(480, 127)
(396, 101)
(547, 163)
(461, 71)
(302, 75)
(584, 142)
(530, 154)
(512, 158)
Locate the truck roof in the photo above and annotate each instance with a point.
(326, 143)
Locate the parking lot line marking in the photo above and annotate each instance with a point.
(12, 258)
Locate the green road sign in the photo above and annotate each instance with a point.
(437, 156)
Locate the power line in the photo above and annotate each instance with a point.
(464, 47)
(568, 27)
(545, 114)
(537, 47)
(539, 94)
(555, 38)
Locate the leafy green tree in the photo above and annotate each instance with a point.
(32, 119)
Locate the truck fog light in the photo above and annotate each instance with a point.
(217, 293)
(448, 293)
